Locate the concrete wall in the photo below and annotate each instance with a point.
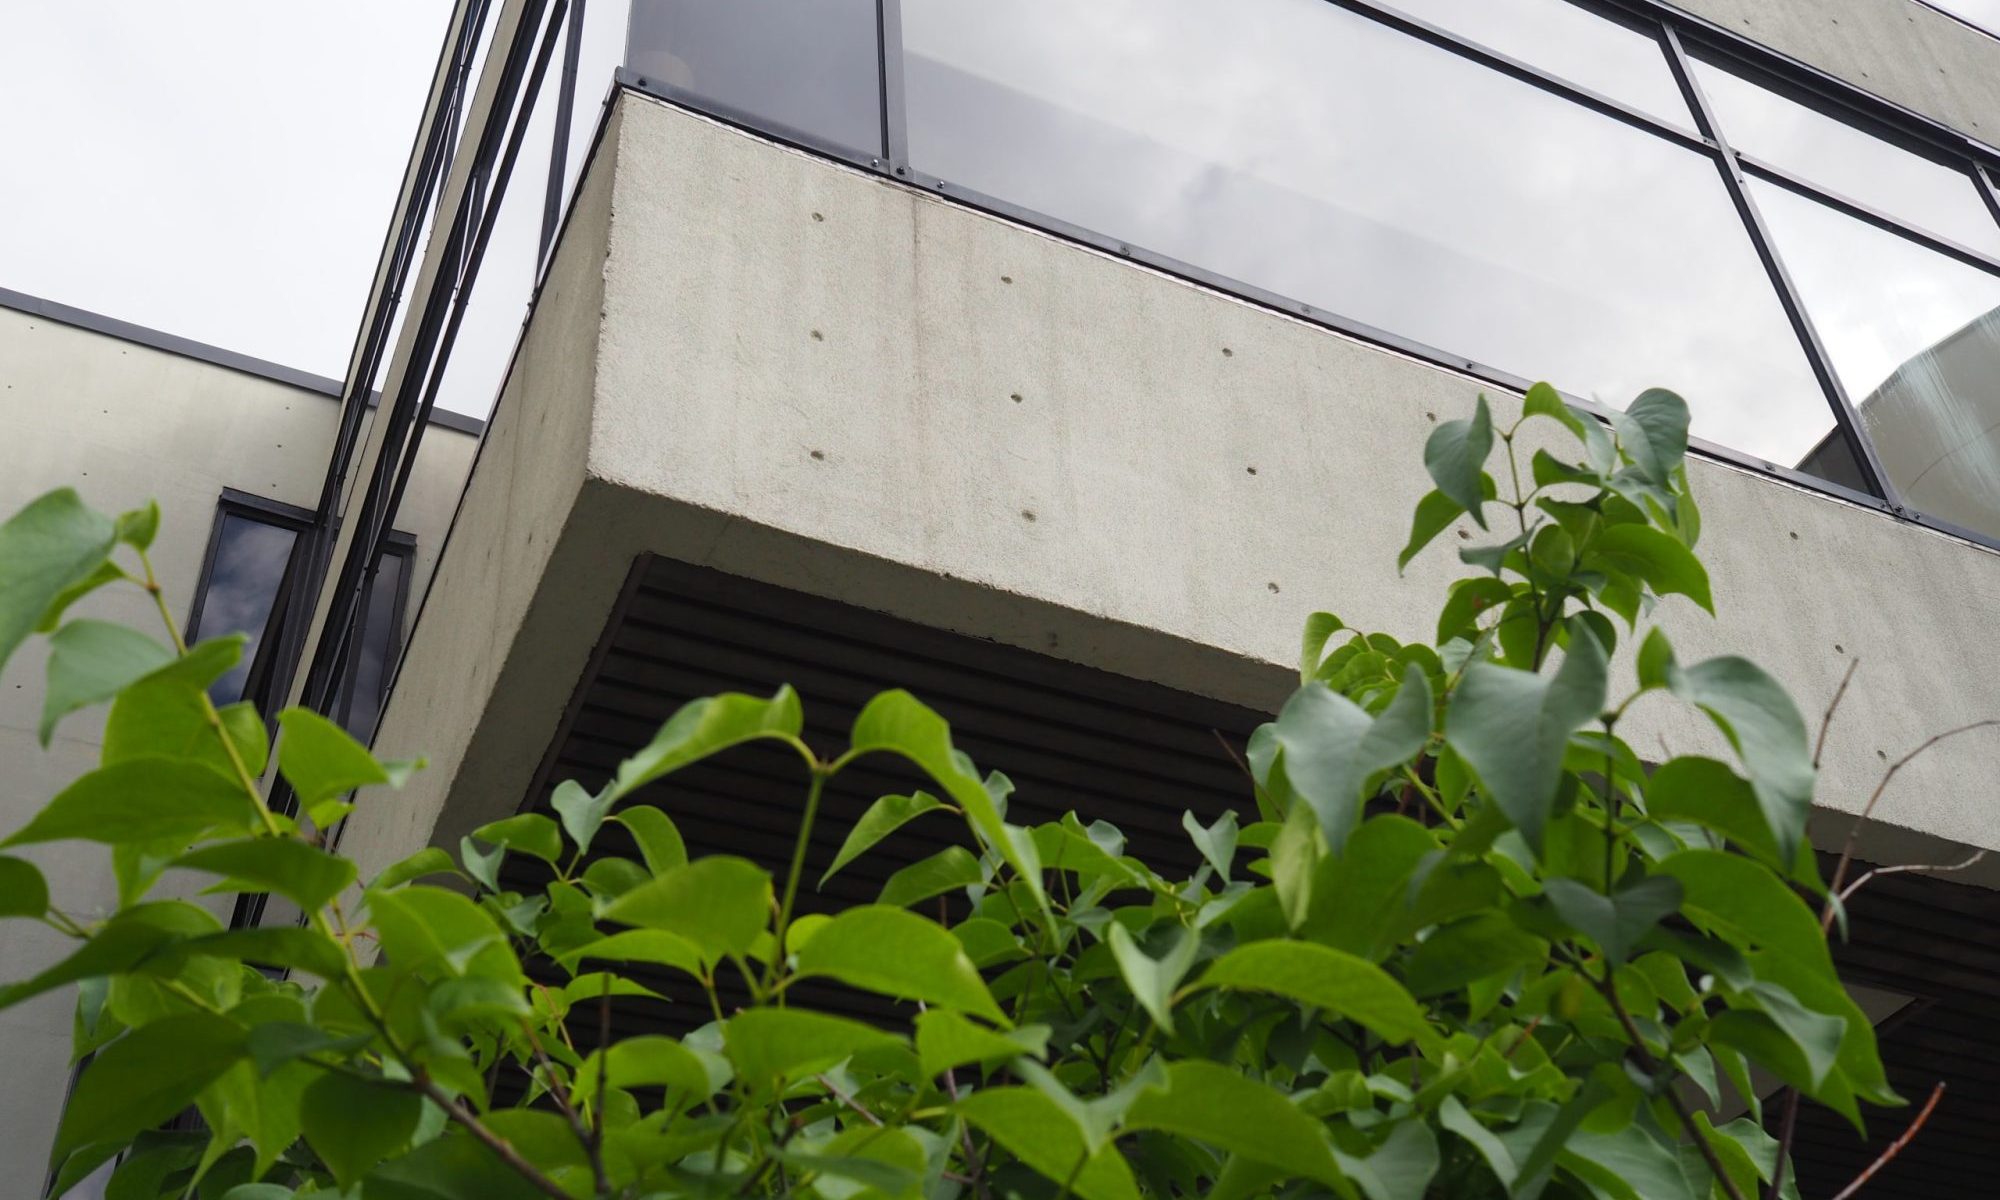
(123, 422)
(805, 374)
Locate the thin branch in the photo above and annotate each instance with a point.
(848, 1100)
(973, 1162)
(603, 1076)
(501, 1148)
(1895, 1147)
(1962, 865)
(561, 1096)
(1652, 1066)
(1832, 706)
(1786, 1124)
(1868, 809)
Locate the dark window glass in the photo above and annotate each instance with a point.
(1582, 47)
(1847, 160)
(1296, 146)
(248, 575)
(1916, 340)
(375, 657)
(809, 65)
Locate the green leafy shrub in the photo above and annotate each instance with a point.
(1472, 947)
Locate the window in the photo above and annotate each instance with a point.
(254, 569)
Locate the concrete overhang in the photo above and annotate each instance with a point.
(753, 359)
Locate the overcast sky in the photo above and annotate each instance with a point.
(219, 169)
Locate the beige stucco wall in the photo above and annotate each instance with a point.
(124, 422)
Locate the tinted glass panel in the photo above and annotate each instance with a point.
(381, 642)
(1299, 147)
(1850, 161)
(244, 579)
(811, 65)
(1562, 39)
(1916, 340)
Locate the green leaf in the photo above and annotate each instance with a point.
(946, 1040)
(1453, 1116)
(353, 1124)
(880, 1164)
(1048, 1141)
(1812, 1039)
(641, 945)
(582, 813)
(1709, 794)
(1220, 1107)
(1656, 659)
(1511, 727)
(1628, 1165)
(455, 1167)
(145, 1077)
(771, 1045)
(306, 875)
(1342, 983)
(23, 891)
(128, 941)
(1758, 717)
(1151, 980)
(428, 861)
(525, 833)
(897, 953)
(1544, 401)
(659, 839)
(320, 760)
(883, 818)
(51, 545)
(272, 945)
(719, 905)
(1359, 900)
(700, 728)
(948, 870)
(650, 1060)
(166, 714)
(420, 926)
(1320, 627)
(1615, 922)
(1330, 746)
(1216, 842)
(1434, 514)
(1480, 947)
(92, 661)
(896, 722)
(137, 527)
(1401, 1167)
(141, 800)
(1469, 600)
(1652, 431)
(272, 1044)
(1455, 455)
(1657, 558)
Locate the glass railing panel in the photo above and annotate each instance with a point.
(1577, 45)
(1916, 341)
(1847, 160)
(1300, 148)
(810, 66)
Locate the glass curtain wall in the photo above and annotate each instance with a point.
(1526, 189)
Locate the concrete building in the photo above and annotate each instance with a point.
(1055, 360)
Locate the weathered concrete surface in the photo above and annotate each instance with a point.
(1900, 50)
(762, 362)
(124, 423)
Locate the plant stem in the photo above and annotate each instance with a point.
(1652, 1066)
(1895, 1147)
(819, 777)
(501, 1148)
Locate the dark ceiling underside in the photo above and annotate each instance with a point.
(1138, 755)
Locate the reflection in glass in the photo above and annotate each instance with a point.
(381, 641)
(1298, 147)
(811, 65)
(1583, 47)
(1916, 340)
(246, 578)
(1847, 160)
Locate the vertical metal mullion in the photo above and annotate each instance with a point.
(559, 143)
(1844, 414)
(895, 117)
(1987, 192)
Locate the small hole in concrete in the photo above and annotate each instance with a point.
(1272, 586)
(818, 336)
(1463, 536)
(1838, 648)
(1795, 535)
(819, 454)
(1006, 279)
(1228, 353)
(1251, 470)
(817, 217)
(1881, 755)
(1027, 514)
(1014, 396)
(1431, 416)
